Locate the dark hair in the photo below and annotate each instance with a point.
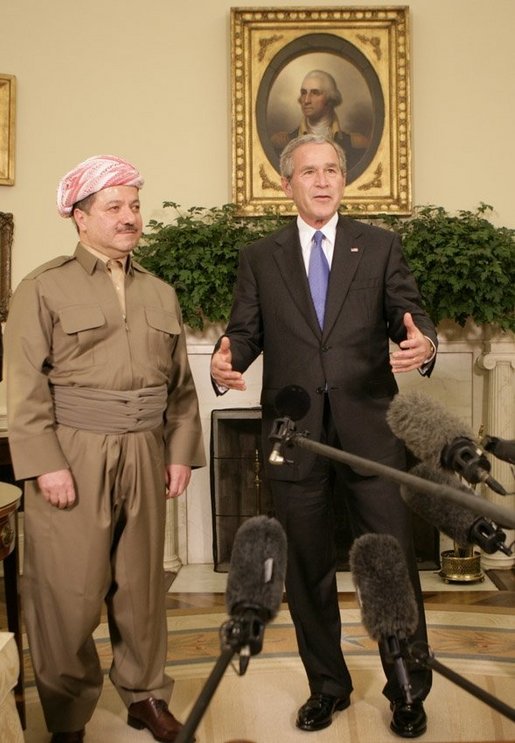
(84, 204)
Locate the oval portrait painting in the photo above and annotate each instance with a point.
(323, 84)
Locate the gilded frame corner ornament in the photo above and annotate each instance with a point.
(7, 128)
(366, 50)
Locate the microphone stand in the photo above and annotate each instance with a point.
(243, 634)
(422, 655)
(500, 514)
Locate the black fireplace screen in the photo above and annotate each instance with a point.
(238, 489)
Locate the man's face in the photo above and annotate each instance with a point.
(313, 99)
(113, 225)
(317, 183)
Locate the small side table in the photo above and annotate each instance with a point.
(10, 497)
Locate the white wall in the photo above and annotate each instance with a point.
(151, 82)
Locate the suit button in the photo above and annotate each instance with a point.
(325, 349)
(320, 390)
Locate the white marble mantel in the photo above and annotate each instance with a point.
(474, 377)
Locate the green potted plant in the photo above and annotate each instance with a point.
(198, 254)
(464, 264)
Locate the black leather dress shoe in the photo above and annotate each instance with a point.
(318, 711)
(74, 737)
(154, 715)
(409, 720)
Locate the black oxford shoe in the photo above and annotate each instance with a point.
(409, 720)
(318, 711)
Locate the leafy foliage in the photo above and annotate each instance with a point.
(198, 255)
(464, 265)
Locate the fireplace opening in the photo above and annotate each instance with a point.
(239, 490)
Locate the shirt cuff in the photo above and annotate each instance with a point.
(433, 352)
(423, 368)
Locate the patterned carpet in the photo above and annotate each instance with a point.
(260, 706)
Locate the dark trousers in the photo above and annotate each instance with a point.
(305, 510)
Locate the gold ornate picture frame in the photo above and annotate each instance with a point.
(365, 51)
(7, 133)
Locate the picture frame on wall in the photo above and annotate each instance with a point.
(6, 241)
(359, 58)
(7, 131)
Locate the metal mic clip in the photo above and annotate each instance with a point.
(282, 430)
(466, 458)
(489, 537)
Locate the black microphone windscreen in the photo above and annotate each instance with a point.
(258, 566)
(293, 402)
(385, 593)
(454, 520)
(425, 425)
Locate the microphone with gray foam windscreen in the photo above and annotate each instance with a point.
(387, 601)
(257, 567)
(438, 438)
(458, 522)
(253, 597)
(254, 584)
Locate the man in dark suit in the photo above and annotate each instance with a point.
(343, 360)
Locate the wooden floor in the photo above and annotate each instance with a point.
(503, 598)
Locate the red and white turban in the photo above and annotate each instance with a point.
(94, 174)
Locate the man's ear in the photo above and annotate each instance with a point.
(286, 186)
(78, 216)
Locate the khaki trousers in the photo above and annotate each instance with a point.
(107, 548)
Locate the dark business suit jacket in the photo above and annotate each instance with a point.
(370, 289)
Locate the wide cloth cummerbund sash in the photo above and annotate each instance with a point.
(110, 411)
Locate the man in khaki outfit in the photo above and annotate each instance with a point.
(103, 425)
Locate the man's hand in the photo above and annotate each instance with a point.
(57, 488)
(177, 479)
(221, 368)
(415, 350)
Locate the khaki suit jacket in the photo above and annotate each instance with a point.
(65, 327)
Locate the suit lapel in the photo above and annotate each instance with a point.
(348, 250)
(291, 266)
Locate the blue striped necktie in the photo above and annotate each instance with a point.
(318, 276)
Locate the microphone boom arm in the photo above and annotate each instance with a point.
(241, 634)
(501, 515)
(423, 655)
